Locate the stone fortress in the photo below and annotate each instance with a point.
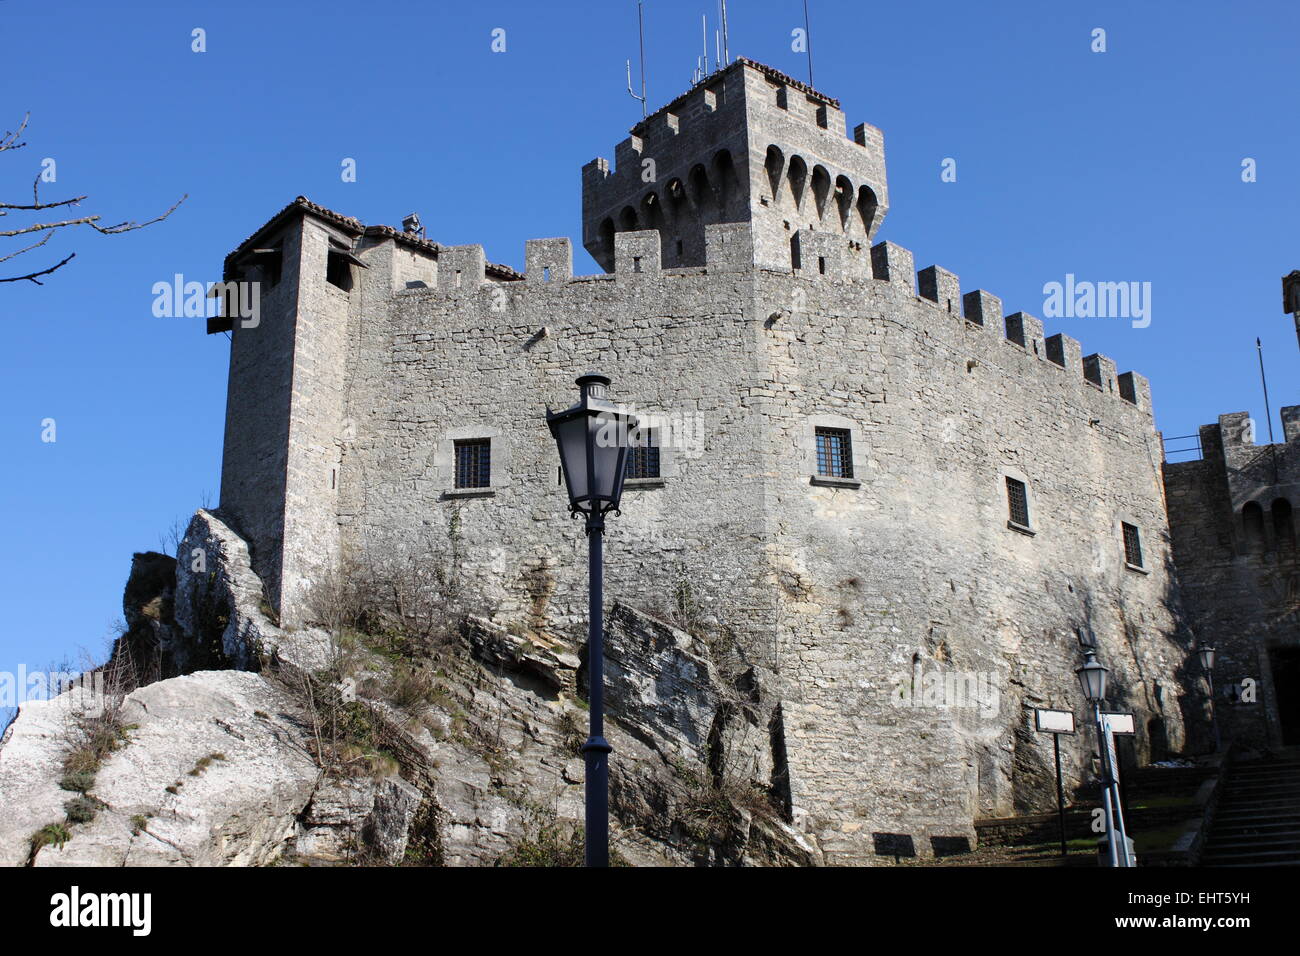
(902, 507)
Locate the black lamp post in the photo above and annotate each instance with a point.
(1092, 678)
(1206, 653)
(592, 437)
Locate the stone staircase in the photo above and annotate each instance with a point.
(1257, 822)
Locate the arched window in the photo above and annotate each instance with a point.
(1283, 525)
(821, 184)
(844, 200)
(607, 236)
(627, 219)
(675, 194)
(867, 208)
(797, 176)
(1252, 521)
(651, 214)
(775, 166)
(724, 175)
(701, 190)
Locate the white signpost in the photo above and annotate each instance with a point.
(1056, 722)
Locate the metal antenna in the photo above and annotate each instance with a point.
(726, 48)
(1260, 348)
(807, 41)
(702, 61)
(640, 23)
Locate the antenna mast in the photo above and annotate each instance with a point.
(726, 49)
(807, 42)
(1264, 381)
(640, 23)
(702, 61)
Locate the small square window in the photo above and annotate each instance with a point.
(834, 453)
(474, 463)
(643, 460)
(338, 270)
(1132, 545)
(1018, 502)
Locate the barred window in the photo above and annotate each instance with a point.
(643, 460)
(473, 463)
(1018, 502)
(1132, 545)
(834, 454)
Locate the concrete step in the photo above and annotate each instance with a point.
(1242, 819)
(1264, 790)
(1255, 829)
(1249, 843)
(1283, 783)
(1282, 805)
(1252, 858)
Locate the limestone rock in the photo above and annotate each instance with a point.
(221, 614)
(215, 772)
(31, 757)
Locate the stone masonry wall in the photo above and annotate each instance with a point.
(254, 461)
(850, 600)
(1241, 579)
(916, 571)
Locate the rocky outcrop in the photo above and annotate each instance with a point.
(469, 757)
(222, 617)
(215, 769)
(31, 761)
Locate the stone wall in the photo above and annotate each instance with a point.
(1235, 548)
(851, 599)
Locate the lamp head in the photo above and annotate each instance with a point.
(593, 438)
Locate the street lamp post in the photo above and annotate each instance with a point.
(592, 438)
(1092, 678)
(1206, 653)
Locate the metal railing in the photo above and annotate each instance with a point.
(1182, 448)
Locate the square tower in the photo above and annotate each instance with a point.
(747, 144)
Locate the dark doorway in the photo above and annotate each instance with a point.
(1286, 686)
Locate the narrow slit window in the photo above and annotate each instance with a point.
(643, 460)
(474, 463)
(1018, 502)
(1132, 545)
(834, 453)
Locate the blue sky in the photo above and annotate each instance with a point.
(1123, 165)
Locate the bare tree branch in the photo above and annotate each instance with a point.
(28, 248)
(31, 276)
(12, 140)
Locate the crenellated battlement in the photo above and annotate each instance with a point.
(982, 313)
(729, 248)
(745, 144)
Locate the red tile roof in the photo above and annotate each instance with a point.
(355, 227)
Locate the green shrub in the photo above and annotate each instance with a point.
(81, 809)
(78, 782)
(55, 834)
